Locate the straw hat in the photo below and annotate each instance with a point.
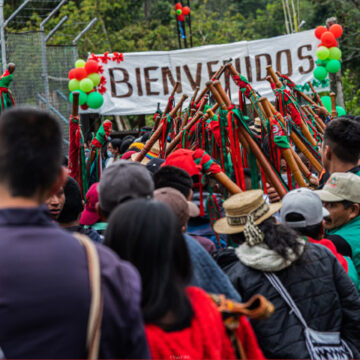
(239, 206)
(153, 153)
(256, 127)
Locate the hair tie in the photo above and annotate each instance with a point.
(253, 234)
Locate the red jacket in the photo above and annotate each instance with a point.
(206, 338)
(330, 245)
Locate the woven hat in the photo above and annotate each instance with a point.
(256, 127)
(239, 206)
(152, 154)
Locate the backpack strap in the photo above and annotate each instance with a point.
(96, 303)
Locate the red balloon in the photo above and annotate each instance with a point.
(321, 44)
(319, 31)
(181, 17)
(186, 10)
(178, 6)
(80, 73)
(91, 67)
(84, 107)
(336, 30)
(72, 74)
(328, 39)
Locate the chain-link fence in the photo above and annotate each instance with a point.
(25, 50)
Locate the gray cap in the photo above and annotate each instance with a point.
(341, 186)
(124, 180)
(306, 203)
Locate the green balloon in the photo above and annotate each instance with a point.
(86, 85)
(95, 100)
(74, 85)
(82, 97)
(95, 78)
(320, 73)
(326, 100)
(80, 63)
(340, 110)
(333, 66)
(334, 53)
(322, 53)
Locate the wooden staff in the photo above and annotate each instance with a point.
(215, 77)
(304, 128)
(309, 114)
(298, 142)
(216, 95)
(155, 136)
(303, 168)
(274, 77)
(157, 121)
(178, 137)
(316, 116)
(334, 113)
(251, 143)
(222, 93)
(75, 105)
(317, 96)
(286, 153)
(224, 180)
(185, 119)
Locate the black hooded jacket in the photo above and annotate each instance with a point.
(320, 288)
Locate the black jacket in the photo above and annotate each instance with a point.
(320, 288)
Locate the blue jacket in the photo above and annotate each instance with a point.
(45, 293)
(207, 273)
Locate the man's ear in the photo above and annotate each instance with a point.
(60, 181)
(327, 153)
(355, 211)
(100, 213)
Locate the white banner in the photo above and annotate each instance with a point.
(143, 79)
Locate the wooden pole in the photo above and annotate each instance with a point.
(297, 141)
(155, 136)
(286, 153)
(216, 95)
(333, 105)
(317, 96)
(276, 80)
(75, 104)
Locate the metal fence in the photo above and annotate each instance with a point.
(24, 49)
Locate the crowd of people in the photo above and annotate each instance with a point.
(140, 279)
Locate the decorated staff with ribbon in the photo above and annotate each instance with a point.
(7, 77)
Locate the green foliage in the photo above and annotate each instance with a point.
(351, 93)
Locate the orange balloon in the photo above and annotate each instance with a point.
(336, 30)
(186, 10)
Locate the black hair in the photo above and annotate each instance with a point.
(116, 144)
(278, 237)
(73, 202)
(126, 142)
(30, 151)
(147, 233)
(343, 137)
(172, 176)
(314, 231)
(146, 137)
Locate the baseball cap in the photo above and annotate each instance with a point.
(306, 203)
(89, 216)
(124, 180)
(341, 186)
(182, 208)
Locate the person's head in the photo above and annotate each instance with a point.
(73, 203)
(341, 197)
(30, 155)
(171, 176)
(341, 144)
(122, 181)
(126, 142)
(113, 148)
(90, 215)
(146, 233)
(302, 210)
(11, 67)
(249, 219)
(55, 203)
(182, 208)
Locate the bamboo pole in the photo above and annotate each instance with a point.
(286, 153)
(75, 105)
(216, 95)
(155, 136)
(186, 116)
(333, 105)
(306, 109)
(274, 77)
